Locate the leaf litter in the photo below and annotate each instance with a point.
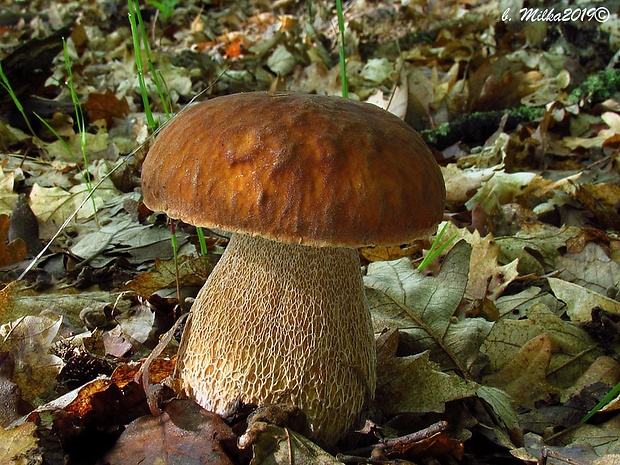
(492, 353)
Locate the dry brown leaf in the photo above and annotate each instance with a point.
(391, 252)
(192, 271)
(278, 445)
(106, 107)
(13, 252)
(487, 278)
(603, 370)
(183, 433)
(29, 340)
(604, 136)
(414, 383)
(591, 268)
(602, 201)
(114, 400)
(461, 184)
(573, 349)
(524, 378)
(7, 294)
(7, 196)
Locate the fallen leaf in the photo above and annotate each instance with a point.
(423, 308)
(7, 196)
(18, 299)
(106, 106)
(491, 155)
(581, 301)
(56, 204)
(537, 251)
(524, 378)
(116, 343)
(603, 370)
(183, 433)
(501, 188)
(192, 271)
(391, 252)
(124, 236)
(414, 383)
(591, 268)
(108, 400)
(487, 279)
(397, 102)
(573, 350)
(514, 307)
(11, 252)
(602, 200)
(501, 403)
(462, 183)
(133, 329)
(70, 150)
(612, 119)
(281, 61)
(280, 446)
(29, 340)
(20, 445)
(377, 70)
(536, 450)
(603, 438)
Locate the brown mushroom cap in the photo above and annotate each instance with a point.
(296, 168)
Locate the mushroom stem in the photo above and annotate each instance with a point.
(280, 322)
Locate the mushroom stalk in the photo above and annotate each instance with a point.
(279, 322)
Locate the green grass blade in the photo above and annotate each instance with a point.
(436, 249)
(341, 51)
(80, 121)
(604, 401)
(155, 75)
(63, 142)
(134, 12)
(7, 86)
(201, 240)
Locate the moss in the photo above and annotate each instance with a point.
(478, 126)
(598, 87)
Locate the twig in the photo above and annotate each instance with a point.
(384, 445)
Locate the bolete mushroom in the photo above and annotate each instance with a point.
(301, 181)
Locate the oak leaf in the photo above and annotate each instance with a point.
(106, 107)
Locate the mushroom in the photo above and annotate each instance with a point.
(300, 181)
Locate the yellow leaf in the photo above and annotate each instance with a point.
(19, 445)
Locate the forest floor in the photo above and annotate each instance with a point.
(494, 353)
